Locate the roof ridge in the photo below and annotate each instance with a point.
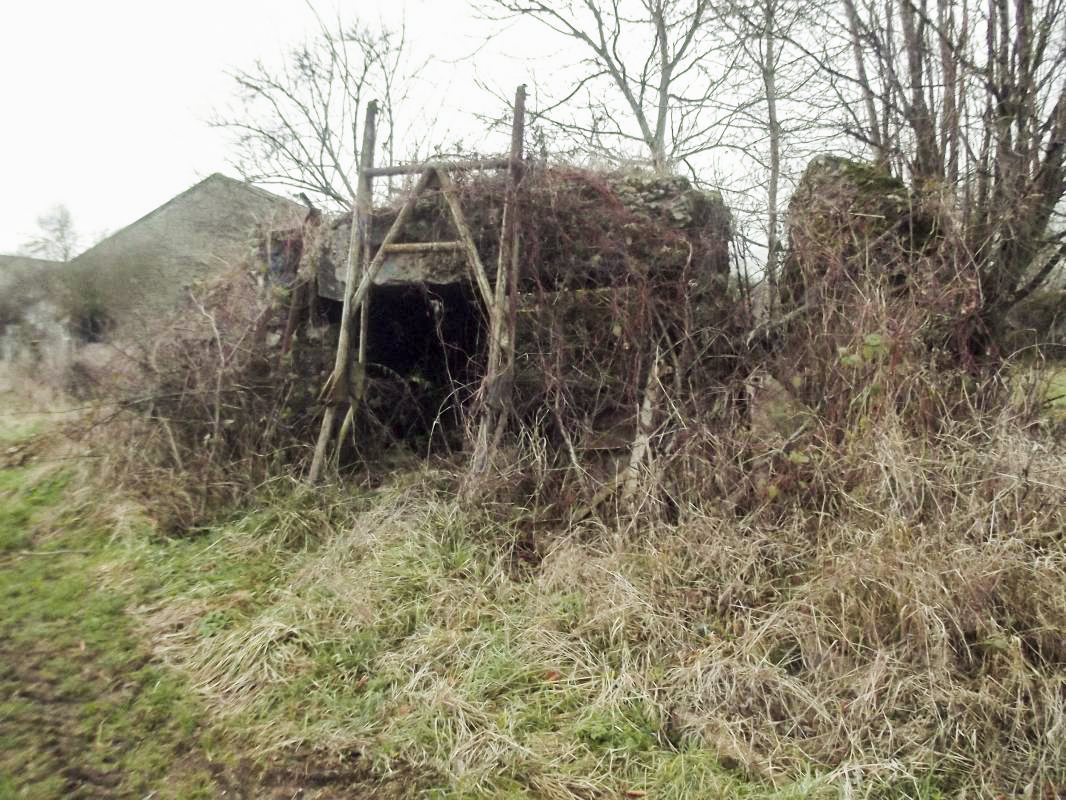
(215, 177)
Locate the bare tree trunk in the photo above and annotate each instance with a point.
(927, 162)
(950, 128)
(874, 127)
(769, 76)
(664, 86)
(1001, 130)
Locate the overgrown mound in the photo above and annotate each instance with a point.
(622, 279)
(627, 325)
(579, 228)
(851, 222)
(879, 303)
(582, 230)
(859, 236)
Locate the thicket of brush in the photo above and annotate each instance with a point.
(838, 558)
(216, 399)
(224, 392)
(904, 640)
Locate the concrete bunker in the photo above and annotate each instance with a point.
(608, 264)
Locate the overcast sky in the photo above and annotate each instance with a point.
(104, 102)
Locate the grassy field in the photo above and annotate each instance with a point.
(389, 642)
(85, 712)
(274, 650)
(87, 709)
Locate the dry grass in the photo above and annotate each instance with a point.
(838, 569)
(909, 643)
(881, 612)
(210, 402)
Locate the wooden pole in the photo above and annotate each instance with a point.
(337, 389)
(498, 382)
(427, 247)
(365, 208)
(507, 350)
(337, 386)
(467, 239)
(444, 166)
(386, 245)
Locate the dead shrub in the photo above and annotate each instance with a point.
(626, 324)
(217, 399)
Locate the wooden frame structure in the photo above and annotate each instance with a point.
(499, 300)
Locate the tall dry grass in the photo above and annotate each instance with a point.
(839, 569)
(906, 638)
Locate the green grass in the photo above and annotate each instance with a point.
(1056, 391)
(22, 496)
(391, 628)
(83, 711)
(15, 430)
(395, 631)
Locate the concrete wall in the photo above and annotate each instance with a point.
(30, 323)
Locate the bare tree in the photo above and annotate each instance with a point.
(780, 105)
(650, 72)
(296, 125)
(57, 239)
(969, 100)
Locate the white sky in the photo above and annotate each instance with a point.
(105, 101)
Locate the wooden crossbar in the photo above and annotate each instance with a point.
(423, 247)
(446, 166)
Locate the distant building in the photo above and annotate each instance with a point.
(145, 268)
(10, 266)
(28, 317)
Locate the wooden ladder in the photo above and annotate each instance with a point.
(499, 300)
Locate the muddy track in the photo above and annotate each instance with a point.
(41, 714)
(75, 717)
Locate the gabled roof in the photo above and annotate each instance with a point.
(145, 267)
(247, 205)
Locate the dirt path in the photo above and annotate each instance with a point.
(62, 715)
(84, 713)
(43, 692)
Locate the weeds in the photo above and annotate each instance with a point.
(873, 649)
(909, 644)
(835, 569)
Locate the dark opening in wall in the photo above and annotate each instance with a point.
(327, 311)
(424, 359)
(90, 324)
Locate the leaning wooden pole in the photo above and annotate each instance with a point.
(466, 238)
(509, 268)
(336, 390)
(498, 382)
(364, 212)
